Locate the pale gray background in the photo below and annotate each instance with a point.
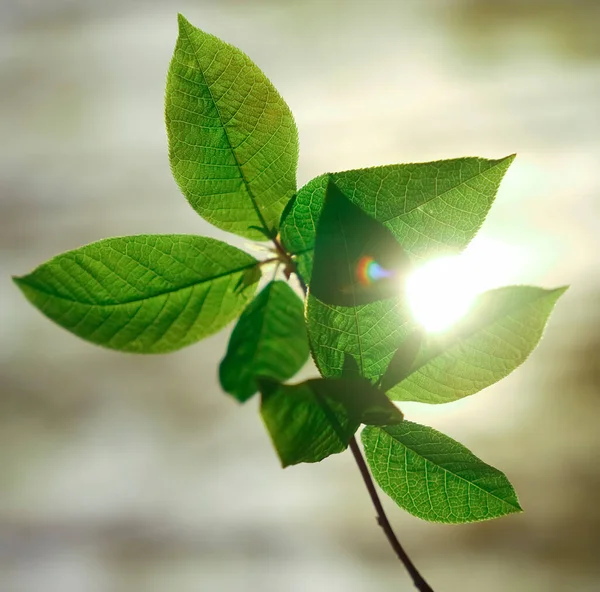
(126, 474)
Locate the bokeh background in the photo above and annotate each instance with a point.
(128, 473)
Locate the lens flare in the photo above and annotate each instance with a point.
(369, 271)
(442, 290)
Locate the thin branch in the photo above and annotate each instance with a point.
(382, 519)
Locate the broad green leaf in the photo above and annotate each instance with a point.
(434, 477)
(233, 143)
(312, 420)
(357, 260)
(502, 329)
(431, 208)
(269, 340)
(371, 333)
(144, 294)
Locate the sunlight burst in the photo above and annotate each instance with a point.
(442, 290)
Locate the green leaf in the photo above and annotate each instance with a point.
(144, 294)
(233, 143)
(357, 260)
(432, 208)
(269, 340)
(303, 427)
(502, 329)
(312, 420)
(434, 477)
(371, 333)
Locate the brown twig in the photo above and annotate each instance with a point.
(382, 520)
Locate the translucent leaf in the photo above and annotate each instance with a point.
(269, 340)
(233, 143)
(432, 208)
(502, 329)
(371, 333)
(434, 477)
(145, 294)
(314, 419)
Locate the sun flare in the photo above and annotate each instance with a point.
(443, 290)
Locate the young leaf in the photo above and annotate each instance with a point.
(357, 260)
(434, 477)
(432, 208)
(269, 340)
(233, 143)
(502, 329)
(144, 294)
(312, 420)
(303, 427)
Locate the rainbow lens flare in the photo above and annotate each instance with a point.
(369, 271)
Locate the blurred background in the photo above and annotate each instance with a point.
(129, 473)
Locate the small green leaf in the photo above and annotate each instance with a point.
(303, 427)
(432, 208)
(502, 329)
(434, 477)
(269, 340)
(314, 419)
(233, 143)
(357, 260)
(144, 294)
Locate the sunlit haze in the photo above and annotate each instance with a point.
(442, 290)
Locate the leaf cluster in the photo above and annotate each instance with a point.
(233, 150)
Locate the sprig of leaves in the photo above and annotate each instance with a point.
(233, 150)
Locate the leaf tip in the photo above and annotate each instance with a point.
(506, 161)
(183, 23)
(19, 280)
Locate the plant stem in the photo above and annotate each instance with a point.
(382, 520)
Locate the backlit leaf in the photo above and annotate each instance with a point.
(314, 419)
(432, 208)
(434, 477)
(502, 329)
(269, 340)
(145, 294)
(233, 143)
